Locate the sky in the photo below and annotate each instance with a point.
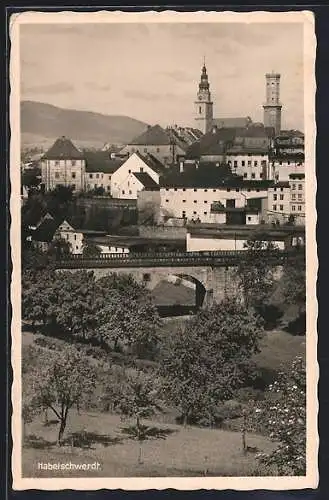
(151, 71)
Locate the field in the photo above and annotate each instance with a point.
(174, 451)
(178, 451)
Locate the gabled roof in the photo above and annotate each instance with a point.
(100, 161)
(152, 162)
(232, 122)
(241, 149)
(146, 180)
(210, 142)
(153, 136)
(63, 149)
(46, 230)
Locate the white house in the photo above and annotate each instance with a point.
(63, 165)
(51, 229)
(124, 185)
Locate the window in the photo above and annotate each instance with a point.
(274, 189)
(235, 163)
(76, 247)
(205, 190)
(205, 201)
(167, 189)
(205, 213)
(73, 186)
(183, 214)
(300, 196)
(56, 163)
(243, 163)
(145, 150)
(252, 175)
(228, 190)
(249, 218)
(158, 150)
(184, 189)
(214, 190)
(293, 208)
(90, 176)
(56, 175)
(237, 190)
(200, 110)
(300, 186)
(108, 188)
(141, 169)
(293, 186)
(195, 190)
(97, 176)
(288, 162)
(130, 191)
(73, 163)
(300, 208)
(245, 175)
(280, 162)
(257, 190)
(75, 237)
(275, 197)
(261, 175)
(184, 201)
(95, 186)
(281, 189)
(123, 191)
(167, 201)
(194, 213)
(274, 208)
(255, 163)
(175, 189)
(195, 201)
(249, 163)
(281, 208)
(73, 175)
(281, 196)
(129, 171)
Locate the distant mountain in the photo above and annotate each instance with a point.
(42, 123)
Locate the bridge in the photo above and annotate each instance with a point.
(213, 273)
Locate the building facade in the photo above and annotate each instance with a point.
(272, 106)
(63, 165)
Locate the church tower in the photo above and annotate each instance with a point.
(272, 106)
(203, 104)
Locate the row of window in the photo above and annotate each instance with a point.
(253, 175)
(73, 163)
(91, 176)
(300, 186)
(184, 201)
(299, 196)
(95, 186)
(215, 190)
(249, 163)
(145, 150)
(124, 192)
(275, 197)
(293, 208)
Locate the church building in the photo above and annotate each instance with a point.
(205, 120)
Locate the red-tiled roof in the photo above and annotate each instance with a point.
(63, 149)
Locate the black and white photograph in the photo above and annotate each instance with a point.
(164, 254)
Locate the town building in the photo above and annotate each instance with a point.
(51, 229)
(163, 144)
(190, 195)
(297, 197)
(283, 165)
(212, 237)
(63, 165)
(272, 106)
(203, 109)
(125, 183)
(99, 170)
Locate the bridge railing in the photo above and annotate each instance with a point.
(221, 257)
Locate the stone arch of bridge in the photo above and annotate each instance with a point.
(200, 289)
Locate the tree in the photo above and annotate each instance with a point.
(59, 249)
(31, 178)
(138, 399)
(90, 249)
(208, 360)
(283, 413)
(294, 282)
(63, 382)
(127, 314)
(76, 303)
(255, 272)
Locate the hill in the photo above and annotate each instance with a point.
(42, 123)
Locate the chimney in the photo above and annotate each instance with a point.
(181, 166)
(214, 129)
